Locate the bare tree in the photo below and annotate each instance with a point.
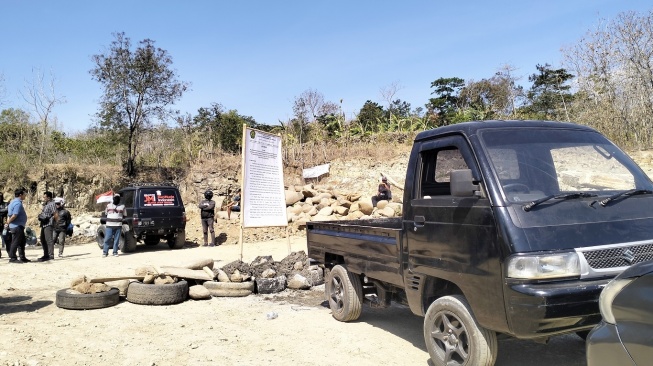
(614, 68)
(388, 94)
(42, 99)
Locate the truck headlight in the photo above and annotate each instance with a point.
(608, 294)
(545, 266)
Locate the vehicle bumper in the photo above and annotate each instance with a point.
(604, 347)
(541, 310)
(162, 232)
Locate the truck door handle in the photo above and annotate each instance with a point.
(419, 222)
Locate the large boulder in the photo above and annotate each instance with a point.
(199, 292)
(298, 282)
(365, 206)
(327, 211)
(342, 211)
(292, 197)
(270, 285)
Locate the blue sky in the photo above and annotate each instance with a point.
(257, 56)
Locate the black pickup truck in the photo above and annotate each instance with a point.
(509, 228)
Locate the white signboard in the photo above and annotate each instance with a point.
(264, 201)
(315, 171)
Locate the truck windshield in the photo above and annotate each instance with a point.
(531, 164)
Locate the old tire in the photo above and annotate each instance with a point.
(177, 241)
(101, 235)
(453, 337)
(150, 294)
(128, 241)
(69, 299)
(344, 292)
(229, 289)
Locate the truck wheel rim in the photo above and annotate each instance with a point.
(336, 296)
(450, 339)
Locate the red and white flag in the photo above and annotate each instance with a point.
(104, 197)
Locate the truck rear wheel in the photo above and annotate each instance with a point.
(453, 337)
(177, 241)
(129, 240)
(101, 235)
(344, 292)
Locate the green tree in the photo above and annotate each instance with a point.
(549, 95)
(445, 105)
(370, 117)
(139, 85)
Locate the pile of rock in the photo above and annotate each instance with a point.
(294, 272)
(307, 203)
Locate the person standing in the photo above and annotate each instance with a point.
(207, 215)
(5, 232)
(115, 213)
(47, 217)
(16, 221)
(61, 225)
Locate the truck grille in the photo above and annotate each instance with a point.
(622, 256)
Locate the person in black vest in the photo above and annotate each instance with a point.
(207, 215)
(61, 225)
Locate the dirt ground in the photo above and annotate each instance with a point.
(221, 331)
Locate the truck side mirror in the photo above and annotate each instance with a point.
(462, 183)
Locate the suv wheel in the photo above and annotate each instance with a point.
(129, 240)
(178, 241)
(101, 235)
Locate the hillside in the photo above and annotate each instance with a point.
(351, 172)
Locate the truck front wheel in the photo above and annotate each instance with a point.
(344, 292)
(453, 337)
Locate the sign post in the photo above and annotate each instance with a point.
(262, 192)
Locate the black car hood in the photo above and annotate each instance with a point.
(578, 223)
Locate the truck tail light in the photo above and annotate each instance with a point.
(135, 220)
(183, 217)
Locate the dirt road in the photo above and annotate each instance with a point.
(222, 331)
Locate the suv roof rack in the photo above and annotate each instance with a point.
(151, 184)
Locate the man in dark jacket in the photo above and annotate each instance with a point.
(207, 215)
(61, 225)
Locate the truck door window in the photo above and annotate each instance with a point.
(436, 166)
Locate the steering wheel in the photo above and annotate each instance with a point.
(516, 187)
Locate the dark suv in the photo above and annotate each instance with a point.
(154, 211)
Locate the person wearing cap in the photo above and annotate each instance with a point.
(207, 215)
(383, 193)
(47, 217)
(115, 213)
(61, 224)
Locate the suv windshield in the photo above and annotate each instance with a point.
(153, 197)
(532, 164)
